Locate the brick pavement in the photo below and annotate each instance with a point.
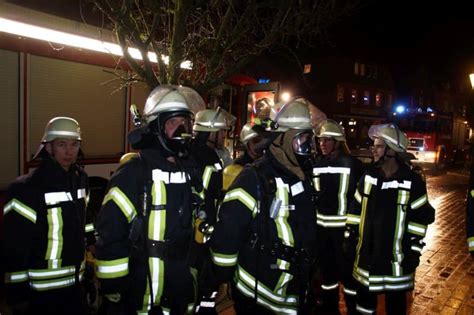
(445, 277)
(444, 282)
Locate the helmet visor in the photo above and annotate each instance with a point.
(303, 143)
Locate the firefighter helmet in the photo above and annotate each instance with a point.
(293, 114)
(248, 132)
(391, 135)
(62, 128)
(166, 102)
(211, 120)
(330, 129)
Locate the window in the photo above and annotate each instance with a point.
(378, 99)
(389, 103)
(356, 68)
(366, 99)
(362, 69)
(354, 96)
(340, 94)
(307, 68)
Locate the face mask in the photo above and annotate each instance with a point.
(303, 144)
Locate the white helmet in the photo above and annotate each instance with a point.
(391, 135)
(163, 103)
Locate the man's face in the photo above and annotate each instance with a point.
(327, 145)
(218, 138)
(378, 149)
(251, 147)
(64, 151)
(176, 127)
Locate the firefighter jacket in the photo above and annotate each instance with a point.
(388, 222)
(470, 213)
(265, 235)
(210, 167)
(45, 230)
(143, 232)
(335, 180)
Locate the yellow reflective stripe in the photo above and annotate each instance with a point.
(282, 304)
(157, 272)
(281, 221)
(55, 234)
(342, 195)
(107, 269)
(224, 260)
(398, 235)
(419, 202)
(54, 283)
(353, 219)
(21, 209)
(285, 277)
(472, 193)
(16, 277)
(242, 196)
(418, 229)
(403, 197)
(41, 274)
(206, 176)
(122, 201)
(357, 196)
(89, 227)
(157, 218)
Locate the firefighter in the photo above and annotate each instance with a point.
(470, 213)
(210, 128)
(250, 136)
(387, 223)
(262, 245)
(45, 228)
(146, 222)
(335, 176)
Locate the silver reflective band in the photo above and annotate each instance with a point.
(169, 178)
(395, 184)
(57, 197)
(64, 133)
(81, 193)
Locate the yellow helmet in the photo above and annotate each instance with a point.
(62, 128)
(330, 129)
(391, 135)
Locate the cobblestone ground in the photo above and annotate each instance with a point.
(445, 278)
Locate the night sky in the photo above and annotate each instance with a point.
(437, 36)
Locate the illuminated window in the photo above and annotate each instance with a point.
(340, 94)
(378, 99)
(366, 98)
(354, 96)
(356, 68)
